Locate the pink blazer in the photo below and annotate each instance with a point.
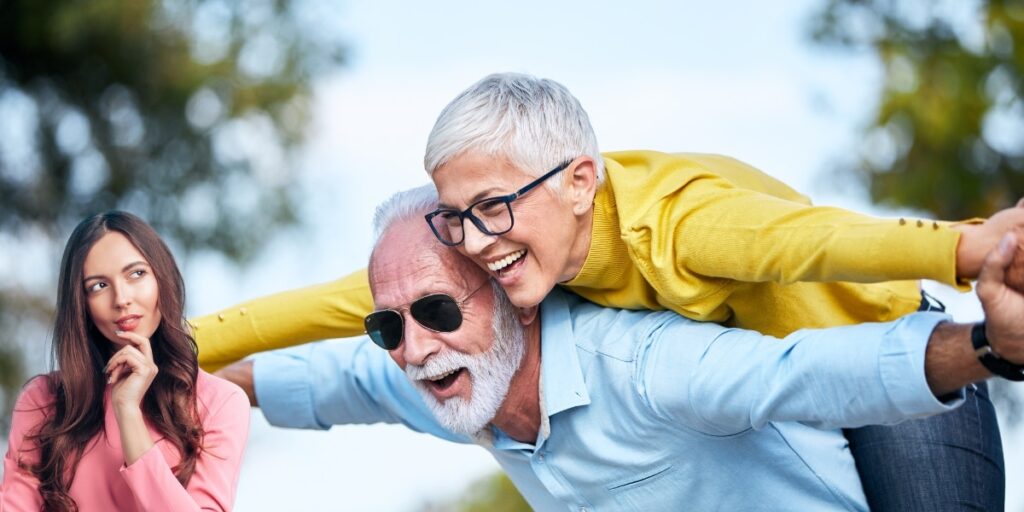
(102, 482)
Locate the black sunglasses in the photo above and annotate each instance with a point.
(438, 312)
(492, 215)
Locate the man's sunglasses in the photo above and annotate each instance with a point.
(438, 312)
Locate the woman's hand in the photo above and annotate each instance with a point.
(978, 240)
(130, 371)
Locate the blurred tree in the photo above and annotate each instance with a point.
(947, 132)
(494, 493)
(185, 112)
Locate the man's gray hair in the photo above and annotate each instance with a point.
(407, 204)
(536, 123)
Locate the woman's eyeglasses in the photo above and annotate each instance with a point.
(438, 312)
(492, 216)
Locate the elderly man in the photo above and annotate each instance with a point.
(595, 408)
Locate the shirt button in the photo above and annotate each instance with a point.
(540, 458)
(242, 311)
(583, 509)
(903, 221)
(220, 317)
(920, 224)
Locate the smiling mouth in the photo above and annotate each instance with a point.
(445, 380)
(506, 262)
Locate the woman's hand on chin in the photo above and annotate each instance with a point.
(130, 371)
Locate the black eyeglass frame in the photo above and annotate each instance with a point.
(468, 212)
(401, 318)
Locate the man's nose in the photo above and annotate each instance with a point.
(474, 240)
(419, 343)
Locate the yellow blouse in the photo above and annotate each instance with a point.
(704, 235)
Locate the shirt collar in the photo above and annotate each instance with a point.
(562, 385)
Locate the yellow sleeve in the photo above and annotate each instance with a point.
(710, 227)
(330, 310)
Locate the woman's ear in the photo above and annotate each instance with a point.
(583, 185)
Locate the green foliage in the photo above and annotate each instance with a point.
(947, 135)
(494, 493)
(11, 376)
(182, 111)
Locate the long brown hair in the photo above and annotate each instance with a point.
(80, 352)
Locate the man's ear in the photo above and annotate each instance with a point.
(528, 315)
(583, 185)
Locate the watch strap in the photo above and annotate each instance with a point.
(990, 359)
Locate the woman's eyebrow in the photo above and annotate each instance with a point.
(487, 193)
(126, 267)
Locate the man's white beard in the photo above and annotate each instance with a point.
(490, 373)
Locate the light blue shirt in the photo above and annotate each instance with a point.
(652, 411)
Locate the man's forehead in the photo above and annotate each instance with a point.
(410, 261)
(399, 263)
(402, 278)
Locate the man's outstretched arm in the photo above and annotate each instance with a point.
(241, 374)
(723, 381)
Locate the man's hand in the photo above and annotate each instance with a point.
(240, 373)
(1015, 274)
(1003, 305)
(950, 361)
(978, 240)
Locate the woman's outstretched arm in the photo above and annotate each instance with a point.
(329, 310)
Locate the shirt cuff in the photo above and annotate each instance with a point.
(902, 365)
(284, 389)
(142, 469)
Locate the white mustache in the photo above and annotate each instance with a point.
(439, 364)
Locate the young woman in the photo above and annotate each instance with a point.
(127, 421)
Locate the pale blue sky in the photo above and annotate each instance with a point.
(730, 77)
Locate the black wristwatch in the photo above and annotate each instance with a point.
(990, 360)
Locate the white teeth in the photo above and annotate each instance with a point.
(443, 375)
(506, 261)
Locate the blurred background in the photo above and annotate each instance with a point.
(257, 137)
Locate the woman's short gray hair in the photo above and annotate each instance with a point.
(414, 202)
(535, 123)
